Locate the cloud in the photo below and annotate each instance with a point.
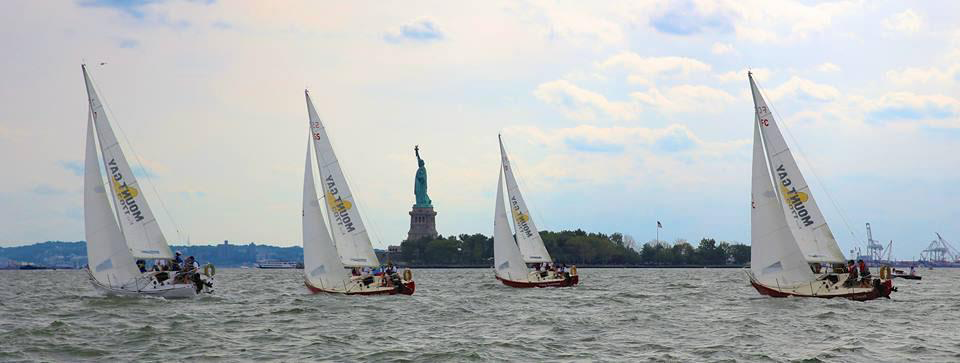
(722, 48)
(828, 67)
(804, 89)
(128, 43)
(913, 75)
(685, 98)
(689, 18)
(936, 110)
(141, 171)
(133, 8)
(760, 74)
(907, 21)
(47, 190)
(72, 166)
(422, 30)
(581, 104)
(644, 69)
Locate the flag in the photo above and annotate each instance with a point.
(659, 225)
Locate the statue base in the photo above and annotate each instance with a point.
(423, 223)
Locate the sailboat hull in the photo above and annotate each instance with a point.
(858, 295)
(172, 291)
(409, 288)
(573, 280)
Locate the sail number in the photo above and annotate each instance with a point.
(315, 125)
(764, 122)
(316, 136)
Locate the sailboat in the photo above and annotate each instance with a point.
(511, 256)
(793, 250)
(327, 254)
(128, 231)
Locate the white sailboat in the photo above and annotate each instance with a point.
(511, 256)
(793, 251)
(117, 237)
(326, 255)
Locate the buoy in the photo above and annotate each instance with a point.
(407, 275)
(573, 270)
(209, 270)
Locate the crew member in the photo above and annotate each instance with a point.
(864, 271)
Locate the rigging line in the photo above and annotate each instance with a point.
(136, 156)
(816, 176)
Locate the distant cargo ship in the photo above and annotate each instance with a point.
(279, 265)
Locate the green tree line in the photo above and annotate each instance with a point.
(576, 247)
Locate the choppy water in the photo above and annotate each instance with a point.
(463, 315)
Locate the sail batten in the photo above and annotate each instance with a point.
(528, 237)
(347, 228)
(138, 225)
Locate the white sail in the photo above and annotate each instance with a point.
(506, 255)
(140, 229)
(775, 257)
(107, 254)
(351, 238)
(528, 237)
(322, 266)
(807, 221)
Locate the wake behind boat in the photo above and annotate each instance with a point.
(117, 237)
(512, 256)
(327, 254)
(793, 250)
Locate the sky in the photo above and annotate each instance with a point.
(616, 115)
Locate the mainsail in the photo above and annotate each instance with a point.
(322, 266)
(528, 237)
(506, 255)
(351, 238)
(108, 256)
(143, 235)
(806, 220)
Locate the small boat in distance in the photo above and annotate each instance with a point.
(511, 256)
(117, 237)
(793, 250)
(276, 265)
(327, 254)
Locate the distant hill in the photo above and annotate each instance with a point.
(74, 254)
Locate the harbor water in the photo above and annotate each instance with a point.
(466, 315)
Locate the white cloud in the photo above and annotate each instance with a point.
(760, 74)
(645, 69)
(907, 21)
(931, 109)
(804, 88)
(828, 67)
(686, 98)
(914, 75)
(581, 104)
(722, 48)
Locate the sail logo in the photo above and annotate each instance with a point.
(338, 207)
(126, 195)
(793, 198)
(520, 218)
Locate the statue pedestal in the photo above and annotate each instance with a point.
(423, 223)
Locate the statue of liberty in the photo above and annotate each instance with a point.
(420, 183)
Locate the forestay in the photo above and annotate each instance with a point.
(140, 229)
(322, 266)
(806, 221)
(528, 237)
(351, 238)
(775, 257)
(506, 255)
(107, 254)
